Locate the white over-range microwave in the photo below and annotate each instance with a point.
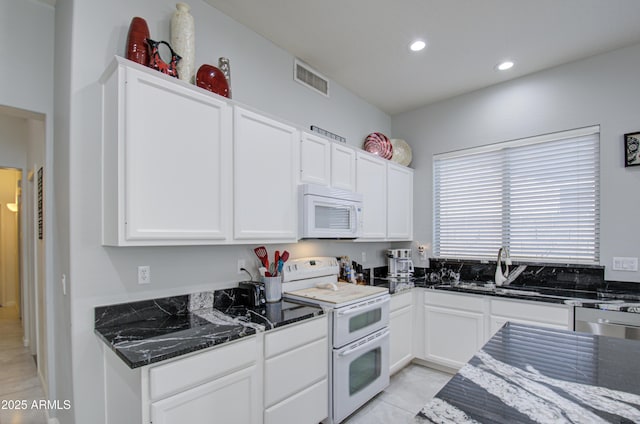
(331, 213)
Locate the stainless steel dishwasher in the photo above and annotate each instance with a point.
(624, 325)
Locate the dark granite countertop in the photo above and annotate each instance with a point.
(149, 331)
(527, 374)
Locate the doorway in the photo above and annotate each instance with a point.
(23, 287)
(10, 258)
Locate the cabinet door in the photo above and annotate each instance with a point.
(400, 202)
(452, 336)
(228, 400)
(315, 160)
(371, 182)
(343, 167)
(307, 406)
(266, 162)
(173, 166)
(401, 338)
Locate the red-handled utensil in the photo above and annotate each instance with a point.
(285, 256)
(275, 262)
(261, 253)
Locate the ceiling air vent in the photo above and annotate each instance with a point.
(306, 76)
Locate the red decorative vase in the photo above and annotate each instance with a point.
(136, 46)
(211, 78)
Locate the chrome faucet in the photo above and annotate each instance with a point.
(501, 276)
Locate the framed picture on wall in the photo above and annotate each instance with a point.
(631, 152)
(40, 206)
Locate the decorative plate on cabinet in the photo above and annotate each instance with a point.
(402, 153)
(378, 144)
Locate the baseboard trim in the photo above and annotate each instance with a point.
(435, 366)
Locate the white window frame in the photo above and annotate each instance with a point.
(475, 211)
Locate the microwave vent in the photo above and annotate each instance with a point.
(308, 77)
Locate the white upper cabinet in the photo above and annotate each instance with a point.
(327, 163)
(182, 166)
(315, 160)
(166, 149)
(399, 202)
(343, 167)
(266, 168)
(387, 190)
(371, 182)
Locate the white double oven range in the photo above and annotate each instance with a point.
(358, 331)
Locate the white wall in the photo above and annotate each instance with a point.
(602, 90)
(13, 136)
(97, 275)
(58, 234)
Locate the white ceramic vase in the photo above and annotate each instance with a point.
(183, 41)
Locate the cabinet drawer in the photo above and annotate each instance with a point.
(287, 374)
(309, 406)
(456, 301)
(185, 373)
(525, 311)
(290, 337)
(229, 399)
(400, 300)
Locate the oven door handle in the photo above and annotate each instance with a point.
(365, 306)
(364, 346)
(619, 324)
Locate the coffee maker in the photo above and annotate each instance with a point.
(399, 263)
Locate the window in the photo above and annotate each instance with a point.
(539, 197)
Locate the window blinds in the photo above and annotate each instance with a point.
(539, 197)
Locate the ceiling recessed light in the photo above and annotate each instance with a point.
(503, 66)
(417, 45)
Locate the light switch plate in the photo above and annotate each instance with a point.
(625, 264)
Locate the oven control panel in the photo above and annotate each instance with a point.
(300, 269)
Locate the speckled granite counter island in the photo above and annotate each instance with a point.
(527, 374)
(149, 331)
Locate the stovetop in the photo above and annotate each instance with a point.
(344, 294)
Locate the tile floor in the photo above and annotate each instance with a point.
(18, 374)
(408, 391)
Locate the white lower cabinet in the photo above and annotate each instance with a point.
(277, 377)
(226, 400)
(401, 330)
(454, 328)
(220, 385)
(457, 325)
(542, 315)
(296, 375)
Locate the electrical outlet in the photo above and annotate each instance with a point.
(241, 264)
(625, 264)
(422, 252)
(144, 274)
(364, 257)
